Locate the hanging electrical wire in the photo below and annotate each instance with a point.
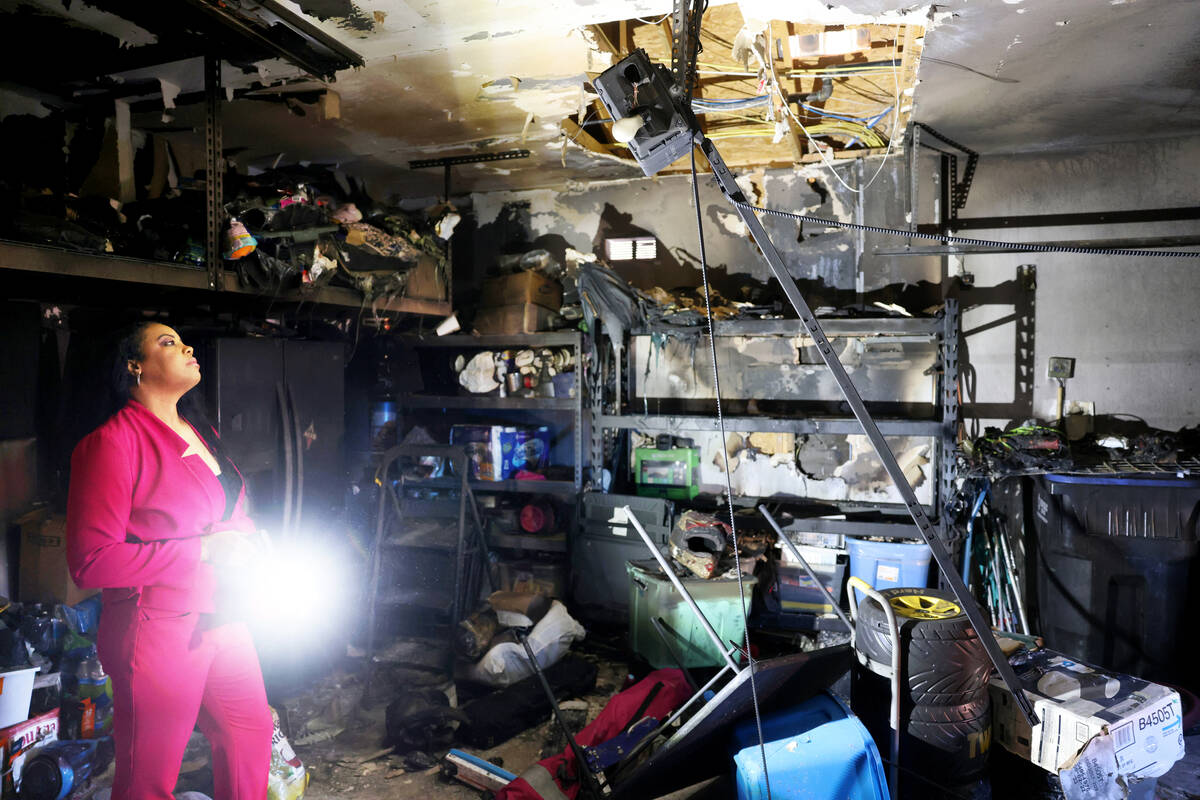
(737, 559)
(774, 84)
(854, 128)
(767, 129)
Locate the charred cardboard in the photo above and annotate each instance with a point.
(523, 287)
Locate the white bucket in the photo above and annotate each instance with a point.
(16, 691)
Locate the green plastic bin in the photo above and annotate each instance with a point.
(652, 595)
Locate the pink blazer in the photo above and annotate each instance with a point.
(136, 510)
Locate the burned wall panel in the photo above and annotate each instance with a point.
(884, 369)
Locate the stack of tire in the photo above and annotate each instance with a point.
(945, 714)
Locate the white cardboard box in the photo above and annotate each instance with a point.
(1076, 701)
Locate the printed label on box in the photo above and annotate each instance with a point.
(1076, 702)
(17, 740)
(887, 572)
(1092, 775)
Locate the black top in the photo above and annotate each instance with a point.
(231, 482)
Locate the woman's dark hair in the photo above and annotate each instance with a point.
(128, 348)
(121, 382)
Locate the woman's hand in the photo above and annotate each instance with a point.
(231, 548)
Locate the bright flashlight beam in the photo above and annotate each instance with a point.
(299, 585)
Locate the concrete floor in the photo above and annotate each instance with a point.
(340, 739)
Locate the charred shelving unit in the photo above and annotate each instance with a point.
(439, 404)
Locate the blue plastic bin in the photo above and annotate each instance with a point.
(888, 565)
(817, 750)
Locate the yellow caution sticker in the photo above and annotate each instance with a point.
(923, 606)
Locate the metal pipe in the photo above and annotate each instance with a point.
(894, 631)
(795, 551)
(285, 432)
(298, 447)
(1016, 581)
(591, 783)
(687, 597)
(812, 327)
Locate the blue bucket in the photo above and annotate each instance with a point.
(817, 750)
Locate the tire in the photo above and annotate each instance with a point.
(872, 697)
(943, 661)
(954, 747)
(948, 743)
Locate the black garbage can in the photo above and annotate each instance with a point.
(1117, 571)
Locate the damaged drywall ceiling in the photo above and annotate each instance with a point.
(449, 61)
(441, 81)
(444, 78)
(459, 76)
(1032, 74)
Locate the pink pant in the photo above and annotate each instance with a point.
(171, 671)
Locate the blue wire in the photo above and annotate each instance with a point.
(814, 110)
(871, 124)
(882, 114)
(756, 100)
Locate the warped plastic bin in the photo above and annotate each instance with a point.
(651, 595)
(817, 750)
(888, 565)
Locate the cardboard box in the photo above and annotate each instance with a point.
(1075, 702)
(525, 577)
(17, 740)
(44, 576)
(477, 439)
(426, 281)
(18, 476)
(520, 318)
(523, 287)
(497, 453)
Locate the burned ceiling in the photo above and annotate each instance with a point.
(777, 93)
(457, 78)
(453, 77)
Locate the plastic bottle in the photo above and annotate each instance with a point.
(95, 698)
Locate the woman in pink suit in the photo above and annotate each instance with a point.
(153, 512)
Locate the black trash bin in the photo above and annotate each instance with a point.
(1117, 571)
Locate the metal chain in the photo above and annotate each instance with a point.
(938, 237)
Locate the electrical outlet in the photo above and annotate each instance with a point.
(1060, 368)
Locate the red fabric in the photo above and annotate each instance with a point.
(608, 723)
(169, 671)
(136, 510)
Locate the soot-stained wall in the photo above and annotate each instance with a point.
(829, 260)
(1130, 323)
